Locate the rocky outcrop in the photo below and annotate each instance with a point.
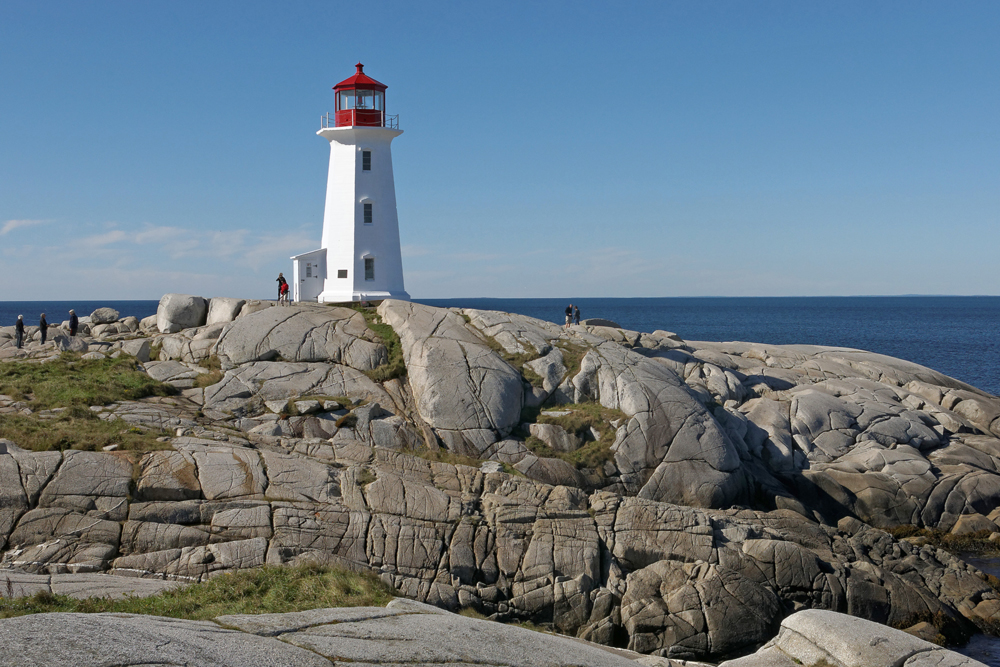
(711, 481)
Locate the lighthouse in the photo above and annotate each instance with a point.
(359, 257)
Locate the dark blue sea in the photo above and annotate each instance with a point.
(955, 335)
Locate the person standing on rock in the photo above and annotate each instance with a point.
(569, 315)
(576, 315)
(74, 323)
(43, 326)
(282, 288)
(19, 331)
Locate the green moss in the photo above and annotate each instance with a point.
(262, 590)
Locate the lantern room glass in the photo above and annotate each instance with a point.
(361, 99)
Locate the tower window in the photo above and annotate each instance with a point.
(366, 160)
(368, 214)
(341, 273)
(369, 268)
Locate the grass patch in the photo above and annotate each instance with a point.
(265, 590)
(971, 543)
(77, 428)
(69, 381)
(395, 367)
(214, 374)
(208, 379)
(212, 363)
(582, 417)
(573, 355)
(516, 360)
(350, 420)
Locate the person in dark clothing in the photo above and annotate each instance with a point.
(281, 281)
(43, 326)
(576, 315)
(19, 331)
(74, 323)
(569, 315)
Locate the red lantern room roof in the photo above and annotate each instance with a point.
(360, 80)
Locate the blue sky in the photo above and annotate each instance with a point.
(551, 149)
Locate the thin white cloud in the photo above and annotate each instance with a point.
(11, 225)
(99, 240)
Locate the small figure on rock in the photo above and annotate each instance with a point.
(569, 315)
(576, 315)
(19, 331)
(282, 289)
(43, 326)
(74, 323)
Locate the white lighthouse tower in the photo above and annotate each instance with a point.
(359, 257)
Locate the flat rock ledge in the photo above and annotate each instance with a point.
(410, 633)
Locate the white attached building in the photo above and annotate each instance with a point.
(359, 257)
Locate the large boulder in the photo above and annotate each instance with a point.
(69, 343)
(147, 324)
(814, 636)
(104, 316)
(462, 388)
(671, 448)
(180, 311)
(337, 335)
(138, 348)
(223, 309)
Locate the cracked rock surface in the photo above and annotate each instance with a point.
(739, 480)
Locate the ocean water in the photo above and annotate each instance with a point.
(958, 336)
